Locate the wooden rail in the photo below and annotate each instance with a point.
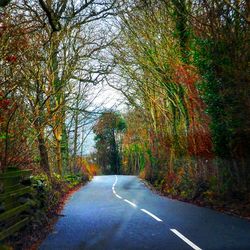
(15, 201)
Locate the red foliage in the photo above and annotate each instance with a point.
(4, 103)
(171, 180)
(11, 58)
(11, 132)
(5, 108)
(199, 137)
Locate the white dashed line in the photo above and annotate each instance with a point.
(190, 243)
(113, 189)
(186, 240)
(150, 214)
(131, 203)
(118, 196)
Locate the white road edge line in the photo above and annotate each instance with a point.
(131, 203)
(190, 243)
(150, 214)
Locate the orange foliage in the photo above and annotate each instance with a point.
(87, 167)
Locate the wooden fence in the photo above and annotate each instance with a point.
(16, 201)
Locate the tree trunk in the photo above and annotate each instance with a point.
(65, 148)
(59, 157)
(182, 26)
(44, 158)
(75, 136)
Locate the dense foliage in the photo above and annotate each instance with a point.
(48, 62)
(48, 68)
(186, 76)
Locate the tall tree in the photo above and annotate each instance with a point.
(108, 140)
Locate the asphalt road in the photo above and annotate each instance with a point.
(112, 213)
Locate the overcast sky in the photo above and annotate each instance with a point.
(108, 98)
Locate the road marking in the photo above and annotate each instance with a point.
(131, 203)
(118, 196)
(113, 188)
(115, 180)
(190, 243)
(150, 214)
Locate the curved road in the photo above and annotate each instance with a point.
(119, 212)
